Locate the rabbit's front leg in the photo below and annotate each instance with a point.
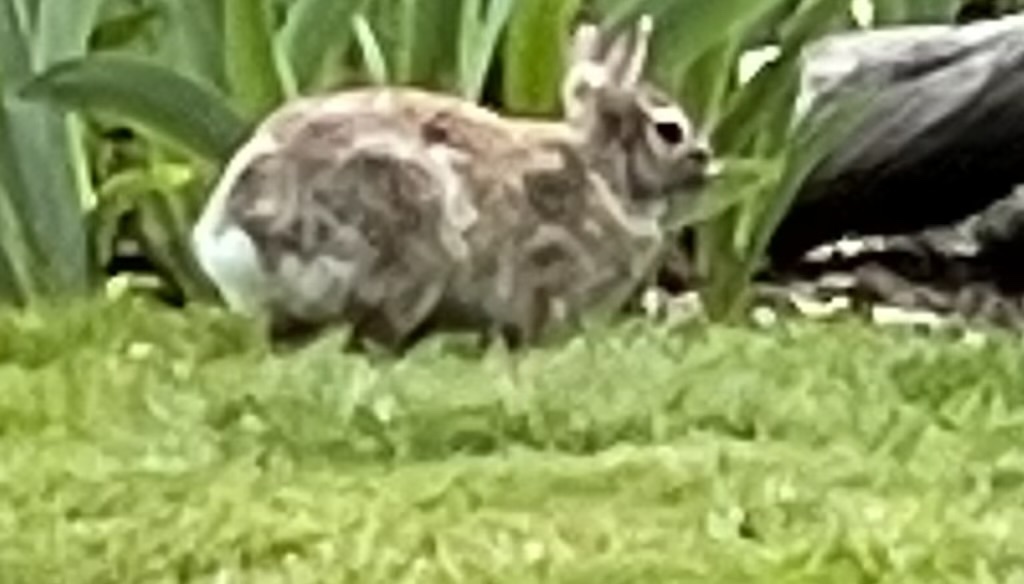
(540, 287)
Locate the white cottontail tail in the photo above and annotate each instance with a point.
(395, 211)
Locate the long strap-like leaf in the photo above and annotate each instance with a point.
(176, 107)
(313, 31)
(480, 31)
(252, 65)
(39, 160)
(533, 54)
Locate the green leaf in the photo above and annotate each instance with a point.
(533, 58)
(155, 206)
(16, 282)
(15, 55)
(479, 31)
(421, 40)
(192, 42)
(123, 29)
(405, 40)
(63, 30)
(915, 11)
(165, 222)
(738, 182)
(160, 99)
(812, 20)
(813, 138)
(616, 12)
(42, 172)
(750, 121)
(314, 31)
(709, 81)
(373, 54)
(252, 67)
(756, 117)
(686, 29)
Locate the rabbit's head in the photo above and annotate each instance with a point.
(639, 139)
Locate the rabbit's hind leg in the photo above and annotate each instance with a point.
(394, 206)
(344, 242)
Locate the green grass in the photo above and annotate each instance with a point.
(142, 445)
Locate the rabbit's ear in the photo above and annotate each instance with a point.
(596, 67)
(584, 73)
(585, 44)
(627, 57)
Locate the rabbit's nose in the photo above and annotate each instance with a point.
(698, 155)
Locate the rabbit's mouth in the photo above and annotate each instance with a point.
(694, 167)
(700, 178)
(689, 175)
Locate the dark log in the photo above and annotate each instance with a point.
(942, 140)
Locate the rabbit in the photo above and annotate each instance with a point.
(396, 211)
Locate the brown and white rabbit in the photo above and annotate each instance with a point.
(395, 210)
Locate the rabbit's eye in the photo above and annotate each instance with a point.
(670, 132)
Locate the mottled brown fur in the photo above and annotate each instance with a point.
(396, 210)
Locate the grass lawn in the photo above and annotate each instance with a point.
(144, 445)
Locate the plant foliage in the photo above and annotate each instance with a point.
(192, 77)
